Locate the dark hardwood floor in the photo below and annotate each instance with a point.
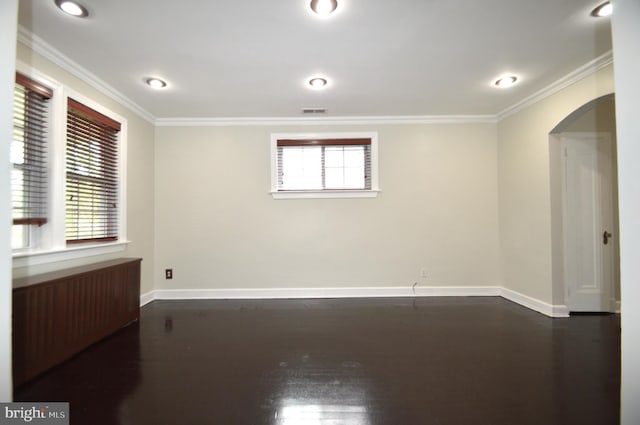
(396, 361)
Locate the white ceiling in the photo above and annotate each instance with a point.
(252, 58)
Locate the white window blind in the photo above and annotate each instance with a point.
(92, 175)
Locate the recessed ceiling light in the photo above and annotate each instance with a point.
(318, 83)
(506, 81)
(603, 10)
(72, 8)
(324, 7)
(155, 83)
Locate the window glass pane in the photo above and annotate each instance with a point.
(354, 178)
(344, 178)
(17, 147)
(334, 178)
(344, 167)
(19, 237)
(334, 156)
(354, 156)
(302, 168)
(17, 194)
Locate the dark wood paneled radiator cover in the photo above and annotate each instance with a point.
(58, 314)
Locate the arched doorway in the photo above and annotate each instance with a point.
(585, 208)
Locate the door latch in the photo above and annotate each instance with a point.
(605, 237)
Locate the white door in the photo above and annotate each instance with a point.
(590, 239)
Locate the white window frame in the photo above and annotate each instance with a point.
(324, 193)
(49, 242)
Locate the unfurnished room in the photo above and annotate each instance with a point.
(320, 212)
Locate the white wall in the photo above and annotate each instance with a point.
(525, 188)
(218, 227)
(8, 27)
(626, 39)
(139, 173)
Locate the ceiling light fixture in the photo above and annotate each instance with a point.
(318, 83)
(603, 10)
(507, 81)
(324, 7)
(155, 83)
(72, 8)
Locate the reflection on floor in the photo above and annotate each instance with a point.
(358, 362)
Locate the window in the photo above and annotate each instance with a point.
(91, 175)
(329, 165)
(68, 156)
(28, 154)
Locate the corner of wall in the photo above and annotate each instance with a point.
(525, 189)
(8, 29)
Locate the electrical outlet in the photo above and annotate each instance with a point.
(168, 273)
(423, 272)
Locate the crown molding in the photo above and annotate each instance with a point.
(49, 52)
(573, 77)
(298, 121)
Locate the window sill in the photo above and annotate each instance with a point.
(32, 258)
(324, 194)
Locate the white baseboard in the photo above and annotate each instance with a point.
(293, 293)
(277, 293)
(296, 293)
(147, 298)
(394, 291)
(535, 304)
(457, 291)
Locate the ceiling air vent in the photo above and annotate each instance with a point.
(314, 111)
